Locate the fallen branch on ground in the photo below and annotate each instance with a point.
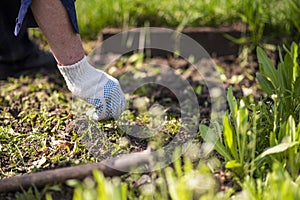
(110, 167)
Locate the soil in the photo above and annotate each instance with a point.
(230, 65)
(237, 73)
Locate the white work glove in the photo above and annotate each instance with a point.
(96, 87)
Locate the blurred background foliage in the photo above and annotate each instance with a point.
(276, 18)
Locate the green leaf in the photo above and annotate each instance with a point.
(291, 129)
(288, 69)
(233, 164)
(278, 149)
(232, 102)
(267, 67)
(265, 84)
(273, 140)
(230, 139)
(294, 55)
(124, 191)
(283, 79)
(242, 127)
(242, 118)
(281, 134)
(177, 163)
(209, 136)
(297, 181)
(240, 40)
(297, 87)
(48, 196)
(298, 133)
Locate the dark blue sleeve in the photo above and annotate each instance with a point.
(70, 6)
(25, 4)
(25, 18)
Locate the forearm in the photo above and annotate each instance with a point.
(54, 22)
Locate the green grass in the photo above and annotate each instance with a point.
(34, 114)
(265, 19)
(124, 13)
(274, 22)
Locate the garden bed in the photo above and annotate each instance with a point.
(37, 120)
(40, 127)
(213, 40)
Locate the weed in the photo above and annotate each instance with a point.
(35, 194)
(184, 181)
(258, 134)
(281, 84)
(278, 185)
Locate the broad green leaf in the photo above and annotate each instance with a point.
(170, 177)
(267, 67)
(242, 127)
(297, 181)
(281, 134)
(297, 88)
(284, 82)
(288, 65)
(294, 52)
(273, 140)
(265, 84)
(48, 196)
(230, 138)
(242, 118)
(124, 191)
(291, 129)
(208, 136)
(233, 164)
(278, 149)
(177, 163)
(188, 165)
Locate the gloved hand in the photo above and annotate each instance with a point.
(96, 87)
